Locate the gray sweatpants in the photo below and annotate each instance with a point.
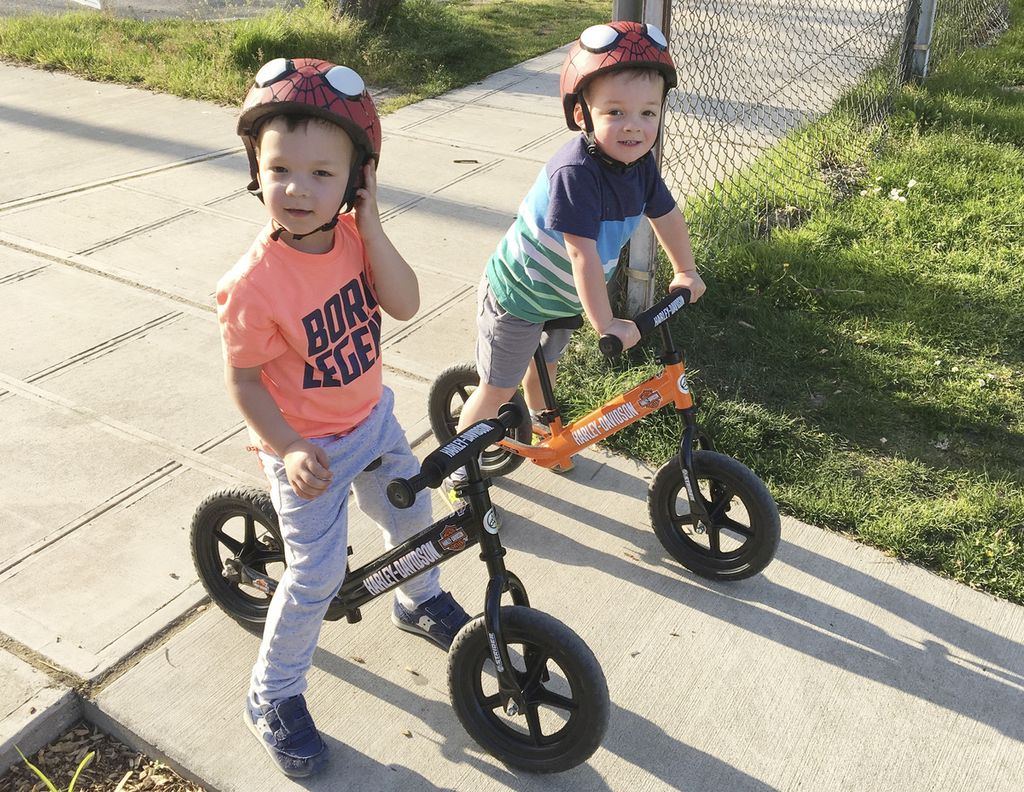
(315, 534)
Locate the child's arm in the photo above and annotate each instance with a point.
(305, 463)
(673, 235)
(588, 274)
(394, 281)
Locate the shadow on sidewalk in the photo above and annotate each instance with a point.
(988, 692)
(635, 739)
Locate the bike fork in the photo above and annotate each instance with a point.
(501, 580)
(698, 507)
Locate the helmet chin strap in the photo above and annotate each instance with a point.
(280, 229)
(592, 148)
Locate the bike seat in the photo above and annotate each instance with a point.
(565, 323)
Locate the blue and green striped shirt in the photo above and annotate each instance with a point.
(530, 272)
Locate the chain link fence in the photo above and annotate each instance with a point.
(779, 101)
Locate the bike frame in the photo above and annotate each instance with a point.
(558, 443)
(476, 523)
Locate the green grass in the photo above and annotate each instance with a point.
(869, 363)
(426, 48)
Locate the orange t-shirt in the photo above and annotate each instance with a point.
(312, 322)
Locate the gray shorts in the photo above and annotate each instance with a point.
(505, 343)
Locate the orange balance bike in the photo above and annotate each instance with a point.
(711, 512)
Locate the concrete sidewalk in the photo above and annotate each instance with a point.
(836, 669)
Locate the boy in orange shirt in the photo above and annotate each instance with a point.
(300, 318)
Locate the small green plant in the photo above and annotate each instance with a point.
(71, 787)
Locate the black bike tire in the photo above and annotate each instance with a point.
(747, 560)
(461, 378)
(585, 728)
(212, 512)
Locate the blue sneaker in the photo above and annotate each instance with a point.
(286, 730)
(438, 619)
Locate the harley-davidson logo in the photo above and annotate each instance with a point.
(453, 539)
(649, 398)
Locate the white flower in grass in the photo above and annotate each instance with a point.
(911, 184)
(894, 195)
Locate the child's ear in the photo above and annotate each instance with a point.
(577, 116)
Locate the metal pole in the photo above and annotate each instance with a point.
(643, 246)
(910, 23)
(922, 46)
(627, 9)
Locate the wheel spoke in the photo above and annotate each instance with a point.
(229, 542)
(714, 535)
(492, 702)
(720, 500)
(258, 559)
(250, 530)
(536, 665)
(736, 527)
(556, 700)
(533, 721)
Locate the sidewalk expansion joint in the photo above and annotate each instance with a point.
(78, 188)
(471, 146)
(139, 229)
(91, 688)
(40, 663)
(423, 318)
(75, 261)
(178, 453)
(14, 277)
(106, 347)
(155, 478)
(540, 141)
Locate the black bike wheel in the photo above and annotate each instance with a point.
(238, 523)
(741, 536)
(448, 393)
(566, 711)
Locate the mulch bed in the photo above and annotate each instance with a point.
(114, 763)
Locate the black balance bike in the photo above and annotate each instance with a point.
(524, 686)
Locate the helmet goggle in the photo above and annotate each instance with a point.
(346, 82)
(603, 38)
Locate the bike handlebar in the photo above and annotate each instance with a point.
(454, 454)
(646, 321)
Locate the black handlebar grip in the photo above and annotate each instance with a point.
(401, 494)
(646, 321)
(511, 415)
(661, 311)
(610, 346)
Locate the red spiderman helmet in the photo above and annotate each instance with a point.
(609, 47)
(304, 86)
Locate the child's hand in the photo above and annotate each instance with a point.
(691, 281)
(366, 211)
(625, 330)
(308, 469)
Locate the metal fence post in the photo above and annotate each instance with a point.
(922, 46)
(910, 24)
(642, 260)
(627, 9)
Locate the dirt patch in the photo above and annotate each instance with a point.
(114, 763)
